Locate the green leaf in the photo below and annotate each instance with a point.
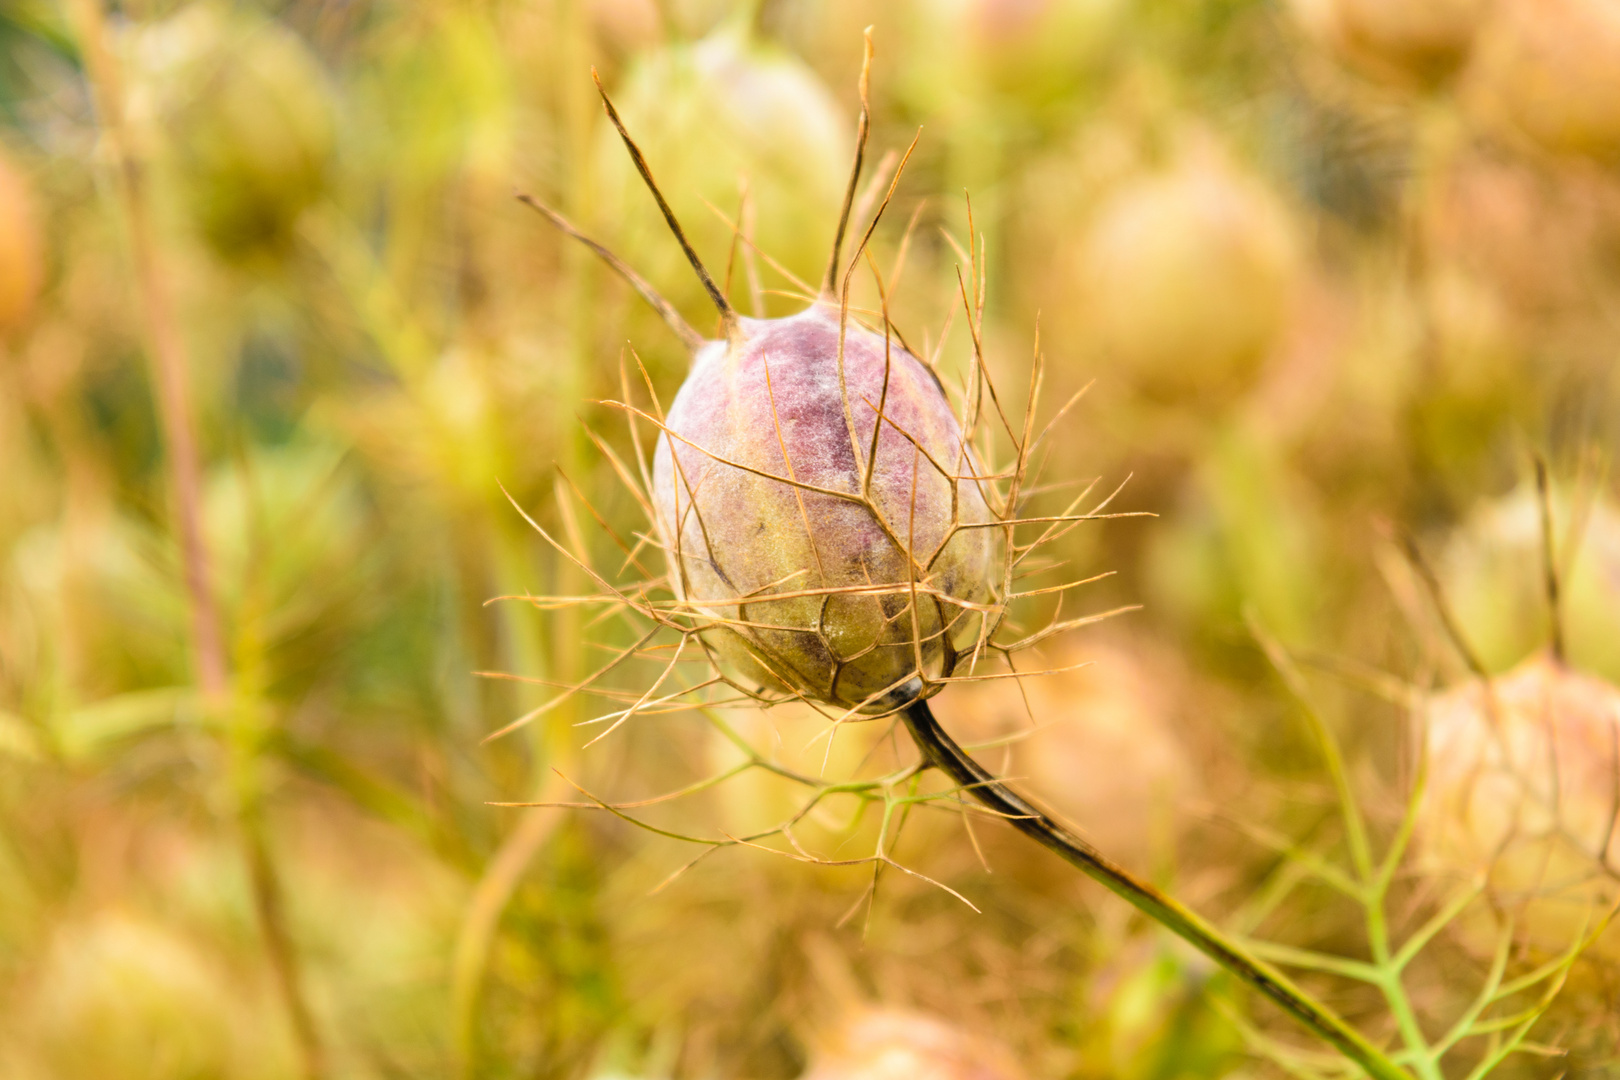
(89, 730)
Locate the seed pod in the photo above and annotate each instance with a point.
(1550, 69)
(1187, 277)
(20, 249)
(1523, 781)
(772, 405)
(822, 554)
(1396, 40)
(894, 1044)
(248, 110)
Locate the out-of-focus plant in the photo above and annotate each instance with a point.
(1494, 574)
(729, 110)
(21, 254)
(1188, 275)
(1487, 1023)
(1246, 535)
(627, 25)
(1551, 73)
(243, 720)
(1017, 59)
(1523, 785)
(120, 996)
(248, 120)
(1423, 43)
(1153, 1013)
(875, 1044)
(1120, 774)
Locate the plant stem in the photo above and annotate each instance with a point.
(270, 907)
(481, 923)
(167, 353)
(166, 349)
(942, 752)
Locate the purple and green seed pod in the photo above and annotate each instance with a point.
(825, 523)
(826, 570)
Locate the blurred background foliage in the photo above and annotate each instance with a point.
(1341, 270)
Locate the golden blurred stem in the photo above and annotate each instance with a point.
(165, 348)
(270, 909)
(1439, 140)
(167, 354)
(518, 849)
(504, 873)
(483, 918)
(578, 298)
(942, 752)
(1549, 559)
(250, 725)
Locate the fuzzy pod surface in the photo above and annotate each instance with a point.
(813, 592)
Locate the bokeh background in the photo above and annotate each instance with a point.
(1341, 271)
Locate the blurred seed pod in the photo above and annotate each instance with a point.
(1421, 41)
(1247, 532)
(625, 26)
(1522, 786)
(247, 113)
(1538, 237)
(1492, 571)
(1186, 277)
(122, 996)
(706, 115)
(21, 248)
(441, 445)
(1096, 744)
(1031, 52)
(895, 1044)
(1550, 70)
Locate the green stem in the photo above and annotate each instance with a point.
(943, 753)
